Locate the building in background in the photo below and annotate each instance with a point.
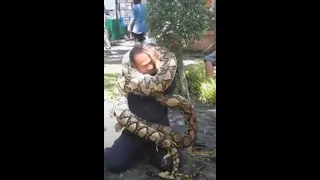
(125, 7)
(110, 4)
(118, 17)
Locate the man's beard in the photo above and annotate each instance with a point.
(154, 72)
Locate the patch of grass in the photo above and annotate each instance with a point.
(109, 84)
(200, 87)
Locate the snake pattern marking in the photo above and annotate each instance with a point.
(143, 84)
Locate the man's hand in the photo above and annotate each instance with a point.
(154, 55)
(129, 29)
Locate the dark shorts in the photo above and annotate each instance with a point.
(140, 37)
(211, 58)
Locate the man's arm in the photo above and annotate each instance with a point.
(132, 19)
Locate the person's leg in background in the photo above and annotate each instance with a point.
(210, 64)
(209, 68)
(124, 153)
(127, 35)
(138, 38)
(107, 44)
(141, 37)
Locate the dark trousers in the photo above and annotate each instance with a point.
(128, 149)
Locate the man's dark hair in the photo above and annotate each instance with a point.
(135, 50)
(138, 49)
(136, 1)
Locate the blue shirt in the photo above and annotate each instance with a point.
(139, 13)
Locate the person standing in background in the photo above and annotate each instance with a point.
(106, 38)
(210, 64)
(210, 61)
(138, 22)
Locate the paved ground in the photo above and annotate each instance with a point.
(206, 120)
(109, 122)
(118, 49)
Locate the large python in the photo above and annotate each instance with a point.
(147, 85)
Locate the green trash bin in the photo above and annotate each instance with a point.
(114, 28)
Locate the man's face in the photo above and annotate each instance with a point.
(144, 64)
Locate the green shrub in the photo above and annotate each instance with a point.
(208, 91)
(200, 87)
(195, 75)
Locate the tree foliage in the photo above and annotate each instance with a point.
(175, 23)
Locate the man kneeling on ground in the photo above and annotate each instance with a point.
(130, 148)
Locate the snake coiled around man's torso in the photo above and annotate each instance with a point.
(133, 81)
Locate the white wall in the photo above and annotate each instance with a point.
(110, 4)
